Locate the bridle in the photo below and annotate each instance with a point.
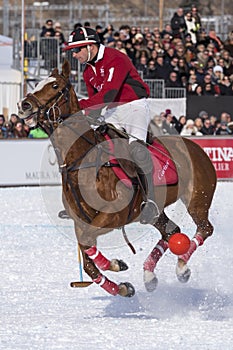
(52, 114)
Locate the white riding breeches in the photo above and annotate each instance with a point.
(133, 116)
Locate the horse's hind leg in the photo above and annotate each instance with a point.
(166, 228)
(199, 211)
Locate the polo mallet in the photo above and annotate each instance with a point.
(81, 283)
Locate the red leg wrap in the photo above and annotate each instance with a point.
(100, 260)
(155, 255)
(106, 284)
(195, 242)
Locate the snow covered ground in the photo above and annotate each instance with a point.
(38, 309)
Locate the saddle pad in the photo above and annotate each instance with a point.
(164, 172)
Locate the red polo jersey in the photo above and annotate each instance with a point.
(112, 78)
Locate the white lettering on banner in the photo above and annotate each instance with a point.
(219, 154)
(37, 175)
(221, 166)
(42, 175)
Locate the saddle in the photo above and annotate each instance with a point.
(164, 172)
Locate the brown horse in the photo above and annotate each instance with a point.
(95, 198)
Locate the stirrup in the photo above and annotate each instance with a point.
(149, 212)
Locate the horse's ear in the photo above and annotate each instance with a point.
(54, 72)
(66, 69)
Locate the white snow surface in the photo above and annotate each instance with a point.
(39, 310)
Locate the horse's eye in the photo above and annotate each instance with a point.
(55, 86)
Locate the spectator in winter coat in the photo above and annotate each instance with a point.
(173, 80)
(178, 24)
(190, 129)
(207, 128)
(226, 87)
(191, 26)
(223, 129)
(156, 126)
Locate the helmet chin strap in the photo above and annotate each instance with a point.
(88, 53)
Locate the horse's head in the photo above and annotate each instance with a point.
(50, 102)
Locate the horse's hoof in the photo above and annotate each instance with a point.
(150, 281)
(126, 289)
(118, 265)
(63, 214)
(183, 274)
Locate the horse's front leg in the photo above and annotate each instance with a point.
(93, 258)
(103, 263)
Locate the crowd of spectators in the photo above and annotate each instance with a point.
(183, 54)
(17, 129)
(203, 125)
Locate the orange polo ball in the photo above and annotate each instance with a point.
(179, 243)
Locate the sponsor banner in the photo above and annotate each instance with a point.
(28, 162)
(220, 151)
(33, 162)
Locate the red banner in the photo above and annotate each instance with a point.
(220, 151)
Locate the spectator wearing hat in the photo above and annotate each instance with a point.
(190, 129)
(217, 75)
(169, 123)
